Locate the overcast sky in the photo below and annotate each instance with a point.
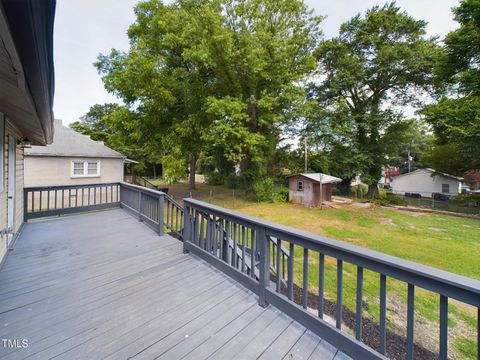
(85, 28)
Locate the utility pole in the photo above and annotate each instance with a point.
(306, 156)
(409, 161)
(321, 192)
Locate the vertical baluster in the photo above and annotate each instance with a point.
(290, 271)
(321, 283)
(176, 219)
(358, 320)
(279, 273)
(94, 195)
(202, 229)
(243, 248)
(410, 320)
(221, 237)
(228, 248)
(111, 193)
(63, 198)
(76, 197)
(383, 314)
(215, 234)
(234, 257)
(305, 277)
(443, 353)
(252, 255)
(48, 199)
(339, 309)
(33, 201)
(88, 194)
(40, 203)
(56, 191)
(168, 215)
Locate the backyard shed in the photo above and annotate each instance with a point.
(305, 188)
(426, 182)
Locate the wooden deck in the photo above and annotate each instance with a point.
(104, 286)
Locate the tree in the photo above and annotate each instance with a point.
(93, 123)
(379, 61)
(217, 78)
(456, 117)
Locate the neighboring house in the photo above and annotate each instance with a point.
(426, 182)
(72, 159)
(26, 99)
(305, 188)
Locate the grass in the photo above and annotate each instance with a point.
(440, 241)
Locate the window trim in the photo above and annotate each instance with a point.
(448, 190)
(300, 185)
(85, 173)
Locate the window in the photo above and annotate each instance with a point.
(82, 168)
(299, 185)
(2, 154)
(445, 188)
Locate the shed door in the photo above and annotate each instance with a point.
(11, 182)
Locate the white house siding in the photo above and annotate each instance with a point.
(18, 218)
(421, 182)
(56, 170)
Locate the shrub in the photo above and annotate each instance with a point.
(264, 190)
(281, 195)
(214, 178)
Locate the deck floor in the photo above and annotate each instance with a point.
(104, 286)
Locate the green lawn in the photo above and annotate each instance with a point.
(444, 242)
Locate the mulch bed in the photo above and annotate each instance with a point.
(396, 344)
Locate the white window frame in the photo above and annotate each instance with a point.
(2, 156)
(300, 185)
(85, 173)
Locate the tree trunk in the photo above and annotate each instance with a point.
(344, 187)
(192, 161)
(154, 171)
(372, 190)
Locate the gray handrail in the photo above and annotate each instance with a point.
(199, 214)
(462, 288)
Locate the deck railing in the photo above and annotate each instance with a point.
(43, 201)
(263, 257)
(206, 224)
(154, 207)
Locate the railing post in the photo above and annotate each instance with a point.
(161, 202)
(264, 270)
(25, 205)
(186, 227)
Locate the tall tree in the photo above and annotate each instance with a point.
(215, 77)
(456, 117)
(379, 61)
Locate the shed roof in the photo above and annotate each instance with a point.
(432, 171)
(67, 142)
(326, 179)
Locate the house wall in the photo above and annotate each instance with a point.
(19, 168)
(55, 170)
(305, 197)
(423, 183)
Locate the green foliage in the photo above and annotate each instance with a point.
(267, 191)
(379, 60)
(264, 190)
(214, 178)
(456, 117)
(217, 78)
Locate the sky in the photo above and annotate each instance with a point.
(86, 28)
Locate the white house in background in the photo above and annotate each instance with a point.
(72, 159)
(425, 182)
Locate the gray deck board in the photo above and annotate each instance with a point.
(105, 286)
